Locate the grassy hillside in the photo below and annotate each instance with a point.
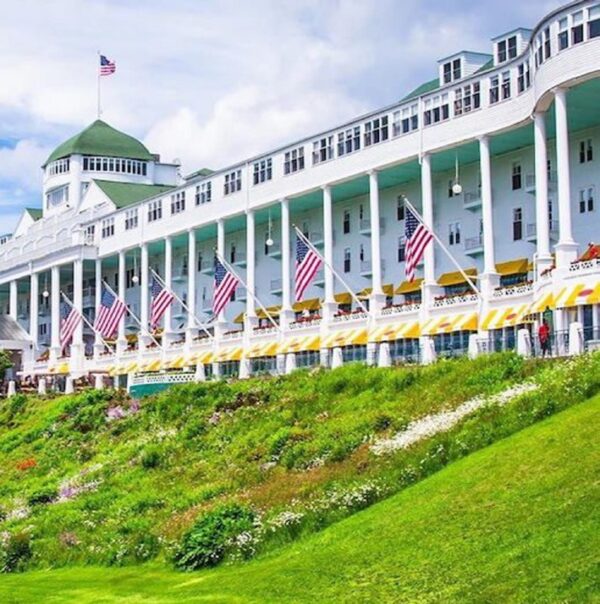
(213, 472)
(515, 522)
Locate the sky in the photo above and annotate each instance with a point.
(210, 82)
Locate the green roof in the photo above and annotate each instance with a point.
(486, 67)
(124, 194)
(201, 172)
(35, 213)
(422, 89)
(101, 139)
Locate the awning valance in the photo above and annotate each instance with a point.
(202, 358)
(409, 287)
(262, 349)
(506, 317)
(450, 323)
(230, 354)
(346, 338)
(343, 298)
(579, 293)
(388, 290)
(176, 363)
(456, 277)
(542, 303)
(150, 366)
(311, 304)
(272, 310)
(395, 331)
(301, 343)
(513, 267)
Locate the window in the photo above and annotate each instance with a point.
(108, 227)
(506, 85)
(406, 119)
(447, 73)
(594, 22)
(467, 98)
(323, 149)
(233, 182)
(347, 260)
(517, 224)
(57, 197)
(454, 233)
(502, 51)
(346, 224)
(349, 141)
(203, 193)
(263, 170)
(131, 219)
(436, 110)
(494, 90)
(401, 249)
(178, 202)
(586, 200)
(563, 33)
(512, 47)
(60, 166)
(586, 151)
(524, 77)
(517, 180)
(400, 208)
(376, 130)
(155, 210)
(546, 38)
(452, 71)
(294, 161)
(232, 252)
(115, 164)
(577, 28)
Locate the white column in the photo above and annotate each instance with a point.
(34, 299)
(221, 249)
(566, 248)
(55, 312)
(169, 285)
(144, 283)
(489, 278)
(13, 299)
(329, 305)
(427, 205)
(121, 340)
(287, 315)
(191, 293)
(544, 260)
(78, 301)
(250, 266)
(377, 296)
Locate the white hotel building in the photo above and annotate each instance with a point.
(517, 129)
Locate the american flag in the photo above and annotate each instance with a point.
(110, 313)
(225, 284)
(418, 236)
(161, 298)
(107, 67)
(308, 262)
(69, 320)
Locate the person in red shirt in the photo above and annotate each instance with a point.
(544, 336)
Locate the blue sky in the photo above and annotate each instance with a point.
(210, 82)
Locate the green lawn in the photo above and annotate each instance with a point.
(516, 522)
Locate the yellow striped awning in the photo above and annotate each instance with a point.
(580, 293)
(346, 338)
(202, 358)
(131, 367)
(395, 331)
(230, 354)
(546, 301)
(176, 363)
(151, 366)
(409, 287)
(272, 310)
(263, 349)
(506, 316)
(301, 343)
(450, 323)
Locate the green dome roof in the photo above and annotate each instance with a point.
(102, 140)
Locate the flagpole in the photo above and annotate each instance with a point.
(447, 252)
(144, 329)
(185, 306)
(83, 318)
(230, 269)
(300, 234)
(99, 111)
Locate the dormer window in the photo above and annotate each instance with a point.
(507, 49)
(452, 71)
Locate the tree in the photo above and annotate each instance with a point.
(5, 362)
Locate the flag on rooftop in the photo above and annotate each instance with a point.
(225, 284)
(308, 262)
(109, 314)
(417, 237)
(107, 67)
(161, 297)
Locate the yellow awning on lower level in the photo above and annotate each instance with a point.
(542, 303)
(456, 277)
(151, 366)
(202, 358)
(177, 363)
(346, 337)
(513, 267)
(395, 331)
(450, 323)
(263, 349)
(230, 354)
(409, 287)
(301, 343)
(506, 317)
(578, 294)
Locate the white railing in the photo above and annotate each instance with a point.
(398, 310)
(259, 331)
(454, 300)
(233, 335)
(530, 180)
(162, 378)
(532, 229)
(276, 285)
(306, 324)
(474, 243)
(237, 258)
(471, 198)
(355, 316)
(513, 290)
(584, 265)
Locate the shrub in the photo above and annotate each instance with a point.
(206, 544)
(151, 458)
(42, 496)
(15, 551)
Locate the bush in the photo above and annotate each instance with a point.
(206, 544)
(42, 496)
(15, 552)
(151, 458)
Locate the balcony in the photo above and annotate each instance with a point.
(474, 245)
(585, 266)
(532, 231)
(530, 181)
(316, 239)
(472, 200)
(456, 299)
(207, 267)
(510, 291)
(346, 317)
(207, 305)
(365, 226)
(400, 309)
(276, 287)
